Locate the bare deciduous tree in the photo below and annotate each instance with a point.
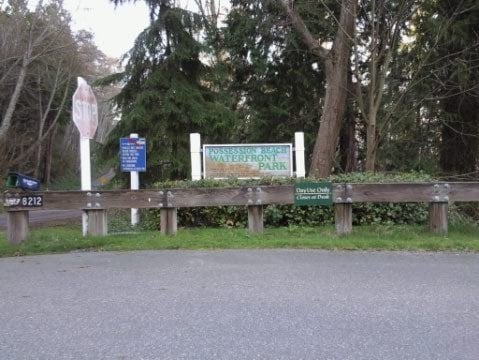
(383, 24)
(335, 62)
(39, 59)
(42, 39)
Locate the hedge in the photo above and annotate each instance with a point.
(287, 215)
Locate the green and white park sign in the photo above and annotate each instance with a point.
(247, 160)
(313, 193)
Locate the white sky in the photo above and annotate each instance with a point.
(115, 29)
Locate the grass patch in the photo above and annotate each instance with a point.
(405, 238)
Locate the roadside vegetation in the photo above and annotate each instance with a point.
(405, 103)
(308, 216)
(251, 72)
(374, 237)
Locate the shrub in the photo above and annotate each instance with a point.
(287, 215)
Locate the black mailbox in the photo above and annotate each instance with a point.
(17, 180)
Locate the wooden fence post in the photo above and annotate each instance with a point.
(172, 226)
(255, 218)
(17, 226)
(438, 217)
(163, 220)
(97, 222)
(168, 221)
(168, 215)
(343, 218)
(343, 209)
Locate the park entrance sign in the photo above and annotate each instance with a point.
(247, 160)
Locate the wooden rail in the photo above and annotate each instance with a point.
(95, 203)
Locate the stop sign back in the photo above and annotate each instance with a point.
(85, 110)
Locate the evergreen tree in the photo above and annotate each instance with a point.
(448, 44)
(168, 90)
(277, 81)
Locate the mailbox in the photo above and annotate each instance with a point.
(17, 180)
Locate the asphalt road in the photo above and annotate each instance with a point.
(50, 217)
(280, 304)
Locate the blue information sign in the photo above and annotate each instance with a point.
(133, 154)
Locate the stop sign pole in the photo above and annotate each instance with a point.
(85, 117)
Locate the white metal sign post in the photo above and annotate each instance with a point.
(133, 160)
(134, 185)
(85, 117)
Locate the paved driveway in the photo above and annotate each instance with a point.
(280, 304)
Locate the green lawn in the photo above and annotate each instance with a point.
(409, 238)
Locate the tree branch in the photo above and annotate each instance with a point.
(33, 146)
(313, 44)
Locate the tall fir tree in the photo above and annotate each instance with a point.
(448, 44)
(277, 81)
(168, 90)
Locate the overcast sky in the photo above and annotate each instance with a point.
(115, 29)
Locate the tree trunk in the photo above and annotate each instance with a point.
(39, 150)
(38, 161)
(371, 145)
(48, 157)
(333, 110)
(347, 136)
(336, 63)
(459, 136)
(347, 144)
(336, 93)
(12, 104)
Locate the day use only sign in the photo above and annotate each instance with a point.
(313, 193)
(133, 154)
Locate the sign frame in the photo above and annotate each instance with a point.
(289, 145)
(140, 164)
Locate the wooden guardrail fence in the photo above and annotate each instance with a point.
(95, 203)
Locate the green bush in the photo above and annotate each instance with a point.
(288, 215)
(363, 177)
